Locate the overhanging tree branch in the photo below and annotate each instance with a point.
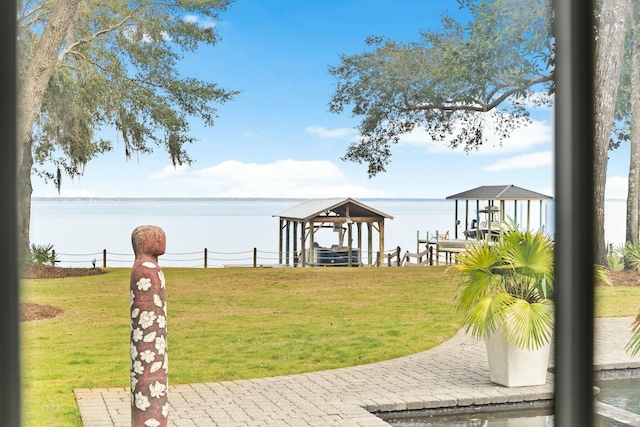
(479, 106)
(92, 37)
(448, 80)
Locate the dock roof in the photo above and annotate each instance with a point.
(499, 192)
(314, 208)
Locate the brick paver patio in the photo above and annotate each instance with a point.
(452, 374)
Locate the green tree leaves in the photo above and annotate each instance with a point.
(455, 82)
(118, 69)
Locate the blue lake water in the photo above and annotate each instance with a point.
(80, 229)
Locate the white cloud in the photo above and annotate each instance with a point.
(205, 23)
(70, 188)
(616, 187)
(282, 178)
(526, 161)
(332, 133)
(521, 139)
(131, 33)
(170, 171)
(249, 133)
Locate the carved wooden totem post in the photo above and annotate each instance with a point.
(149, 381)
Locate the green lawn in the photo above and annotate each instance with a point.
(239, 323)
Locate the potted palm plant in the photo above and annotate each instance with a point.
(506, 295)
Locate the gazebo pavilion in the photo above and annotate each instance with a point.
(501, 193)
(310, 216)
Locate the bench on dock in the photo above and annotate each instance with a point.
(450, 248)
(431, 255)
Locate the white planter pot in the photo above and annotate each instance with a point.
(512, 366)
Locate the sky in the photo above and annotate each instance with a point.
(277, 137)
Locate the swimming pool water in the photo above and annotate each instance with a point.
(525, 417)
(621, 393)
(485, 420)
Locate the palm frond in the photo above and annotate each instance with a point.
(633, 345)
(487, 315)
(529, 325)
(477, 257)
(631, 254)
(527, 252)
(477, 264)
(601, 274)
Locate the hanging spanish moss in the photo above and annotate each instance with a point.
(58, 180)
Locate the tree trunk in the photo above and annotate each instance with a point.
(608, 57)
(24, 203)
(634, 141)
(34, 84)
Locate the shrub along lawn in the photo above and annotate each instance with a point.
(240, 323)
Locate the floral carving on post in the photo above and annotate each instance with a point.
(149, 359)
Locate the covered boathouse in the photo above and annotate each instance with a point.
(497, 193)
(300, 223)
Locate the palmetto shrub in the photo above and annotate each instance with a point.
(615, 258)
(43, 254)
(631, 253)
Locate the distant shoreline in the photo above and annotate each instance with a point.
(243, 199)
(225, 199)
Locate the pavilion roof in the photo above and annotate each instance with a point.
(315, 208)
(499, 192)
